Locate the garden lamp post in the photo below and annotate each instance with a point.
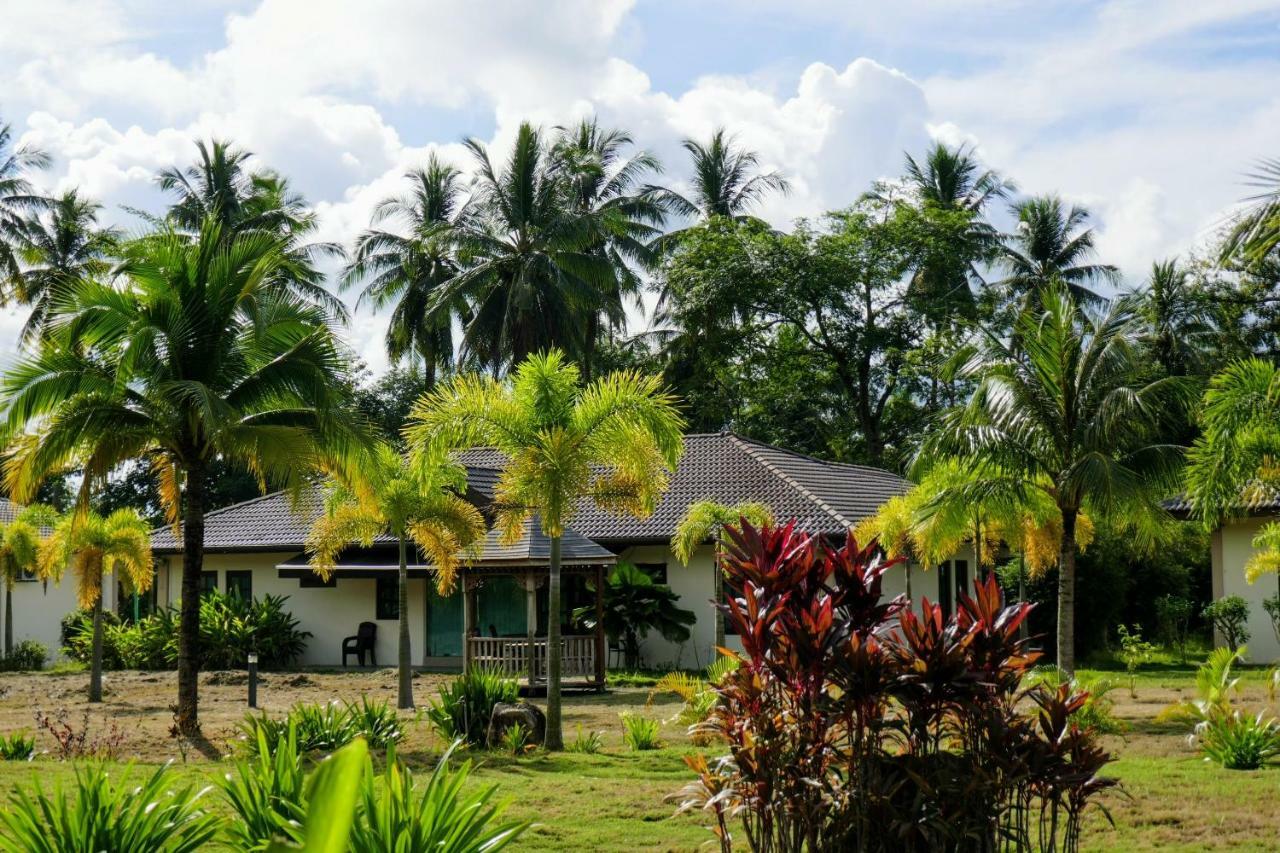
(253, 680)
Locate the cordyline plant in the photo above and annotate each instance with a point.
(855, 723)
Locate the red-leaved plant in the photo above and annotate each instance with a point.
(855, 723)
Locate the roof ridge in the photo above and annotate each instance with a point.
(746, 446)
(758, 443)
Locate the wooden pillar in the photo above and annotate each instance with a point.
(468, 619)
(530, 582)
(601, 650)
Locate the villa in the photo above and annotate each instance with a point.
(258, 547)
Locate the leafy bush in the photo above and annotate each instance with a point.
(1173, 616)
(1134, 651)
(267, 793)
(1230, 616)
(466, 703)
(323, 727)
(1239, 741)
(586, 742)
(102, 814)
(18, 746)
(515, 740)
(634, 605)
(74, 742)
(1097, 712)
(27, 656)
(375, 721)
(439, 819)
(640, 733)
(230, 629)
(856, 723)
(699, 695)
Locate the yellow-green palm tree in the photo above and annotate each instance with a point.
(705, 521)
(413, 500)
(94, 546)
(613, 442)
(20, 553)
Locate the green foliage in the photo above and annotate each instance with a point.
(332, 800)
(633, 606)
(323, 727)
(586, 742)
(640, 733)
(1173, 617)
(466, 703)
(1098, 709)
(1134, 651)
(1239, 741)
(515, 740)
(267, 791)
(106, 811)
(17, 746)
(1230, 616)
(699, 694)
(1271, 604)
(440, 817)
(27, 656)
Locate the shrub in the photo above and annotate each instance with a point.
(72, 742)
(1229, 615)
(1173, 618)
(855, 723)
(267, 793)
(515, 740)
(586, 742)
(1134, 651)
(640, 733)
(1097, 712)
(466, 703)
(323, 727)
(375, 721)
(439, 819)
(699, 695)
(27, 656)
(1239, 741)
(102, 814)
(18, 746)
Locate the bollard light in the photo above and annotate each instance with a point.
(253, 681)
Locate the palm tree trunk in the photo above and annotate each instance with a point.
(719, 593)
(8, 619)
(1023, 630)
(1067, 594)
(188, 715)
(405, 699)
(95, 666)
(555, 734)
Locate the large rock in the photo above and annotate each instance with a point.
(506, 715)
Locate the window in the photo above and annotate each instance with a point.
(27, 575)
(946, 585)
(387, 599)
(311, 580)
(657, 572)
(962, 578)
(208, 583)
(240, 583)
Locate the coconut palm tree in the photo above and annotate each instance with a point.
(1064, 411)
(613, 442)
(20, 541)
(531, 269)
(59, 247)
(705, 521)
(727, 180)
(1052, 243)
(95, 546)
(411, 500)
(18, 201)
(1255, 234)
(405, 264)
(1176, 321)
(201, 352)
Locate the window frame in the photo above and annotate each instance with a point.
(380, 585)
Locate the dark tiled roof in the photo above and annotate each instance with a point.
(1255, 500)
(824, 497)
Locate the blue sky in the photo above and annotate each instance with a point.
(1146, 111)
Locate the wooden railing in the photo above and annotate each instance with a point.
(510, 655)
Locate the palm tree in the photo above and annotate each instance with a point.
(1052, 244)
(18, 201)
(953, 179)
(705, 521)
(726, 179)
(1176, 321)
(412, 500)
(603, 182)
(202, 352)
(20, 542)
(95, 546)
(1256, 232)
(613, 442)
(406, 267)
(58, 248)
(1064, 412)
(531, 271)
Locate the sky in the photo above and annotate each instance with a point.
(1148, 112)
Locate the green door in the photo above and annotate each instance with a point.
(446, 623)
(502, 608)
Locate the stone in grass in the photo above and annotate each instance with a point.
(505, 715)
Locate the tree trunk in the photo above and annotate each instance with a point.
(1067, 594)
(1024, 629)
(404, 701)
(95, 665)
(188, 715)
(719, 594)
(8, 619)
(555, 734)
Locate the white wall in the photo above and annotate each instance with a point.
(38, 612)
(1232, 548)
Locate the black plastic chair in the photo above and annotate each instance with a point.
(363, 641)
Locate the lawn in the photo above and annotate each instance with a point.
(615, 800)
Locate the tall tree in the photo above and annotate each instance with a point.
(205, 352)
(414, 501)
(705, 521)
(1052, 243)
(20, 542)
(95, 546)
(1065, 411)
(57, 248)
(727, 180)
(531, 271)
(403, 260)
(614, 442)
(1255, 234)
(18, 201)
(1175, 318)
